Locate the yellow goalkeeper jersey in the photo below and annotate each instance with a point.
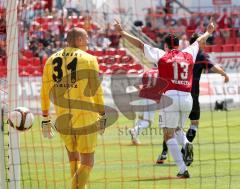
(71, 82)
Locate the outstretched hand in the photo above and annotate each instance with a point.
(117, 26)
(226, 78)
(211, 26)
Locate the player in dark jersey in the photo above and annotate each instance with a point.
(202, 63)
(176, 67)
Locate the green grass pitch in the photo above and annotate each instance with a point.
(119, 165)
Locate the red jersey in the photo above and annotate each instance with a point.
(177, 68)
(152, 85)
(174, 67)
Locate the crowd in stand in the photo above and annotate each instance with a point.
(42, 28)
(158, 22)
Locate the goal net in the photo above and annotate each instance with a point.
(30, 31)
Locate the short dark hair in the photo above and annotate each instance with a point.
(194, 38)
(171, 41)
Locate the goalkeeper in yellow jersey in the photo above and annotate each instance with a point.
(70, 81)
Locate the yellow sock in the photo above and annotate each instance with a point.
(74, 167)
(83, 176)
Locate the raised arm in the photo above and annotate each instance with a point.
(219, 70)
(132, 39)
(210, 29)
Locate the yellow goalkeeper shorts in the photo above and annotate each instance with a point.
(80, 143)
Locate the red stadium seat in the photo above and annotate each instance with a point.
(3, 71)
(218, 41)
(109, 60)
(140, 71)
(100, 59)
(34, 70)
(216, 48)
(208, 48)
(227, 48)
(111, 52)
(230, 41)
(127, 59)
(74, 20)
(1, 62)
(238, 40)
(27, 53)
(44, 59)
(115, 67)
(117, 59)
(189, 32)
(237, 48)
(108, 71)
(23, 72)
(132, 71)
(35, 61)
(41, 20)
(125, 66)
(23, 62)
(136, 66)
(90, 51)
(151, 35)
(103, 68)
(121, 52)
(99, 52)
(45, 27)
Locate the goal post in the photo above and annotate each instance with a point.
(2, 151)
(12, 78)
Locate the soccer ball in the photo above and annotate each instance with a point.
(21, 118)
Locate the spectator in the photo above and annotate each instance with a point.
(40, 52)
(149, 17)
(73, 6)
(102, 41)
(159, 41)
(223, 24)
(200, 28)
(159, 17)
(114, 37)
(3, 28)
(59, 4)
(180, 28)
(183, 42)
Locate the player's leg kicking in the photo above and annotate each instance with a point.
(191, 133)
(194, 117)
(145, 120)
(172, 119)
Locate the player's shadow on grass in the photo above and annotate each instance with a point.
(165, 165)
(155, 179)
(142, 144)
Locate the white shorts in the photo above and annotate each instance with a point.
(176, 114)
(147, 115)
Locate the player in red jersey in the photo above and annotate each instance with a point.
(176, 67)
(148, 88)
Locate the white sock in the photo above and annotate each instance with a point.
(194, 127)
(140, 126)
(176, 154)
(181, 138)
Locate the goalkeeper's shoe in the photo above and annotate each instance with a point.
(188, 154)
(135, 140)
(162, 157)
(183, 175)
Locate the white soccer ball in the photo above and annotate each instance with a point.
(21, 118)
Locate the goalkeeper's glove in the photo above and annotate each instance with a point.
(102, 123)
(47, 127)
